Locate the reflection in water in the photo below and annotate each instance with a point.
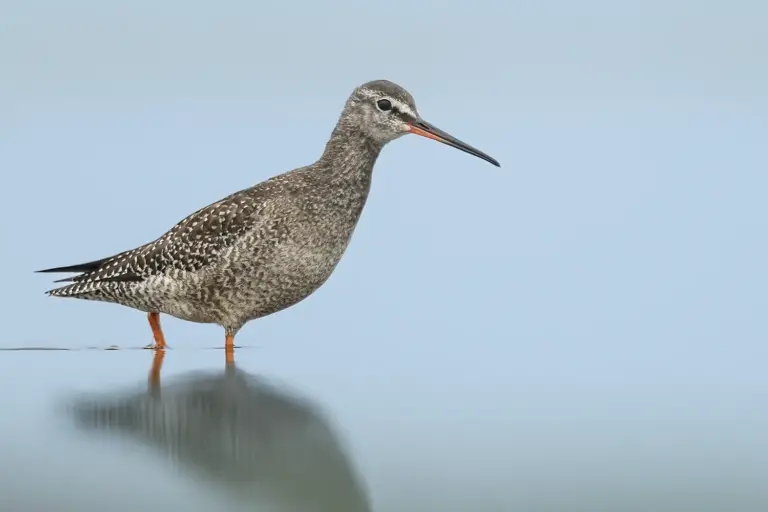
(259, 442)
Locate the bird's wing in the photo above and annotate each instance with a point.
(193, 243)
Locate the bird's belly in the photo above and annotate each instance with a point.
(290, 276)
(248, 286)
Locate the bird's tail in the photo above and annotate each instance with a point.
(79, 268)
(80, 285)
(71, 290)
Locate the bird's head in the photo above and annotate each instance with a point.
(384, 111)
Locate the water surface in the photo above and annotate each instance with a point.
(139, 431)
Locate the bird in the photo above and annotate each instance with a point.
(265, 248)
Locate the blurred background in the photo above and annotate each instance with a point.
(582, 329)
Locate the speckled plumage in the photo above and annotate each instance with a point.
(264, 248)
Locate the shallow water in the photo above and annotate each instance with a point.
(129, 430)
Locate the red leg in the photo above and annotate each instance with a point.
(229, 347)
(157, 331)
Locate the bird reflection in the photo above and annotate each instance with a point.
(253, 439)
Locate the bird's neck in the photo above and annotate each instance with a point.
(350, 155)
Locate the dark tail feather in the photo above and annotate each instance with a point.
(82, 267)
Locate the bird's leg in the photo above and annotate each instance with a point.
(157, 331)
(229, 346)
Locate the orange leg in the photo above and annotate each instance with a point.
(157, 331)
(229, 347)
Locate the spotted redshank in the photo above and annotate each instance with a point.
(267, 247)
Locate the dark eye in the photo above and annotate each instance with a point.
(384, 105)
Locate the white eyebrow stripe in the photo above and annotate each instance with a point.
(403, 107)
(400, 105)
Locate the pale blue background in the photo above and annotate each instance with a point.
(584, 325)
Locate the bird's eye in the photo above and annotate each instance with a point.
(384, 105)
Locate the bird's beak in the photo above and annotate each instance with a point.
(423, 128)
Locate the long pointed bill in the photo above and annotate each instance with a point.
(423, 128)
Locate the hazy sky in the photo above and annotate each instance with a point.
(612, 272)
(632, 141)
